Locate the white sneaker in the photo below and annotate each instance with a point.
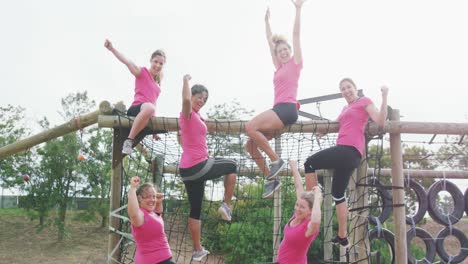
(127, 147)
(199, 255)
(225, 212)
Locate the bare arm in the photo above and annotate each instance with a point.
(316, 215)
(186, 97)
(269, 37)
(134, 69)
(297, 178)
(297, 32)
(136, 216)
(159, 203)
(379, 117)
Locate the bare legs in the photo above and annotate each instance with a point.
(267, 121)
(229, 185)
(147, 111)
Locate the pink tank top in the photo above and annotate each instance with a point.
(151, 241)
(286, 82)
(293, 249)
(146, 89)
(194, 144)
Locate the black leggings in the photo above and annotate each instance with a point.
(195, 181)
(167, 261)
(343, 159)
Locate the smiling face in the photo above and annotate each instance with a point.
(157, 63)
(302, 209)
(283, 52)
(199, 100)
(147, 198)
(348, 90)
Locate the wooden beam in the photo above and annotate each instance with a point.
(399, 214)
(310, 126)
(73, 125)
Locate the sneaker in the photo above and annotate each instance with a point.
(271, 187)
(275, 168)
(199, 255)
(225, 212)
(127, 147)
(343, 242)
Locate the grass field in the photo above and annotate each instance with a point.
(21, 243)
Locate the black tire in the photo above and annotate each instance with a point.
(386, 199)
(428, 241)
(458, 200)
(422, 201)
(466, 201)
(463, 245)
(385, 235)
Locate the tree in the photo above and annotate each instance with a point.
(12, 128)
(96, 170)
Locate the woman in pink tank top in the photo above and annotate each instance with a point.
(304, 226)
(147, 90)
(285, 106)
(145, 212)
(345, 157)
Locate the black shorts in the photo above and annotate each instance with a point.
(134, 110)
(167, 261)
(287, 113)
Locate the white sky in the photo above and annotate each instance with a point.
(418, 48)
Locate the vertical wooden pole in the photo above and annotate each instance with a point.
(358, 224)
(115, 196)
(399, 214)
(327, 217)
(277, 209)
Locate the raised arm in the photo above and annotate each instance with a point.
(134, 69)
(136, 216)
(297, 178)
(316, 215)
(186, 97)
(379, 117)
(159, 203)
(297, 32)
(269, 37)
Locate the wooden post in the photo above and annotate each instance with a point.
(327, 217)
(116, 195)
(358, 237)
(399, 214)
(277, 209)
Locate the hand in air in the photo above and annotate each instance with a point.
(187, 77)
(108, 44)
(384, 90)
(267, 15)
(298, 3)
(135, 181)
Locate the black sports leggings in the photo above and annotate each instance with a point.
(343, 159)
(196, 188)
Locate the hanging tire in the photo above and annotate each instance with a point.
(386, 199)
(385, 235)
(428, 241)
(422, 202)
(463, 245)
(458, 200)
(466, 201)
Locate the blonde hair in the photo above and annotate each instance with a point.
(279, 39)
(158, 76)
(309, 198)
(348, 80)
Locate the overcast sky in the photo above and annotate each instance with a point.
(417, 48)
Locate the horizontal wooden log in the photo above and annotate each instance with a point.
(312, 126)
(55, 132)
(254, 171)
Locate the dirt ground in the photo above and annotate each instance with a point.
(20, 243)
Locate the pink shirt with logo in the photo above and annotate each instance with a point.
(193, 140)
(353, 120)
(146, 89)
(151, 241)
(293, 249)
(286, 82)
